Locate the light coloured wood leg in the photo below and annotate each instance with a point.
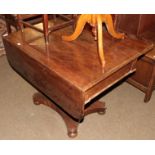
(109, 24)
(95, 20)
(100, 41)
(79, 28)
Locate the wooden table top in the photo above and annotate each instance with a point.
(78, 62)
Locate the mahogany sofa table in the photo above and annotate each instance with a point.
(69, 74)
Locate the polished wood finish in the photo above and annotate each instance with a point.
(144, 78)
(134, 24)
(141, 26)
(69, 73)
(46, 30)
(11, 20)
(95, 20)
(71, 123)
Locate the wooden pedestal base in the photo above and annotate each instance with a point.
(71, 123)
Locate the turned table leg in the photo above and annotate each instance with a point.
(71, 123)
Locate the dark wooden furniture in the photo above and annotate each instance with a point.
(47, 28)
(144, 78)
(68, 74)
(20, 21)
(141, 26)
(12, 21)
(134, 24)
(96, 22)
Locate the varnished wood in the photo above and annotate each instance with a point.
(20, 24)
(64, 71)
(46, 30)
(10, 21)
(71, 123)
(134, 24)
(95, 20)
(144, 78)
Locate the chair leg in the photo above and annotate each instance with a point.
(45, 28)
(54, 17)
(20, 24)
(8, 25)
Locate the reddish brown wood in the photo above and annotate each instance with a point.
(45, 27)
(95, 20)
(70, 73)
(11, 20)
(134, 24)
(150, 86)
(142, 27)
(94, 31)
(46, 30)
(71, 123)
(144, 78)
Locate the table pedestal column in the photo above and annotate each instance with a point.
(71, 123)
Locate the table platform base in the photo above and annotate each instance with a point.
(71, 123)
